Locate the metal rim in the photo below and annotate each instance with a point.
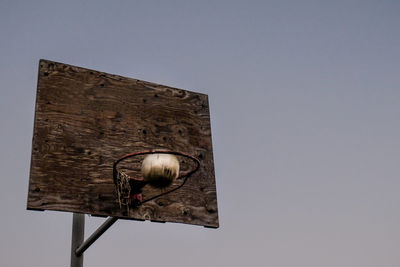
(184, 176)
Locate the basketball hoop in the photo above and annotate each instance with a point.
(159, 170)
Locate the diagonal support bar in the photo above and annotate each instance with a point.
(85, 245)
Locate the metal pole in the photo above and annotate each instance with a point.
(83, 246)
(78, 234)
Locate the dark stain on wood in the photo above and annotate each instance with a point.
(85, 120)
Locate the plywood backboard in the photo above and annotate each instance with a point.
(85, 120)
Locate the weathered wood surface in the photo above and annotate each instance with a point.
(85, 120)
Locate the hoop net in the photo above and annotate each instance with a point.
(123, 190)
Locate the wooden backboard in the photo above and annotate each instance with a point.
(85, 120)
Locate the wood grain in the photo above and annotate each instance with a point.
(85, 120)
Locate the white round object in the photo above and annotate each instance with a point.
(160, 169)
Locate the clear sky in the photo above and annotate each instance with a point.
(304, 99)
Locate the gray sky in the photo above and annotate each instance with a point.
(305, 115)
